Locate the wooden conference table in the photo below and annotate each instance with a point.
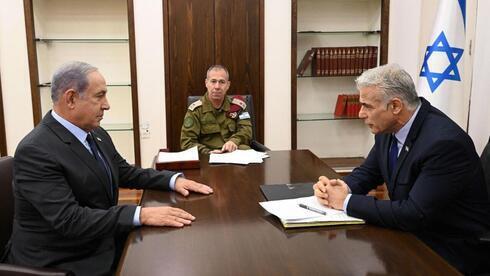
(233, 235)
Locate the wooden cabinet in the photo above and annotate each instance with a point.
(333, 24)
(100, 33)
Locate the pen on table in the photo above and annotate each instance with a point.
(312, 209)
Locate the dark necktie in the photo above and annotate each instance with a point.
(393, 154)
(100, 162)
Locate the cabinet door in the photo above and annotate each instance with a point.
(100, 33)
(200, 33)
(3, 139)
(189, 32)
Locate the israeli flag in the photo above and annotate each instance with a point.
(441, 75)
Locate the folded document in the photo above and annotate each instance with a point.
(292, 215)
(242, 157)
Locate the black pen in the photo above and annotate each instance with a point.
(312, 209)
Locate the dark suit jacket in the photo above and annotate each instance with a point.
(65, 213)
(437, 190)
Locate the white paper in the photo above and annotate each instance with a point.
(288, 210)
(242, 157)
(187, 155)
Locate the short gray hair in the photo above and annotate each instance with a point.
(218, 67)
(71, 75)
(393, 81)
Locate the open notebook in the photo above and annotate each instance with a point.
(292, 214)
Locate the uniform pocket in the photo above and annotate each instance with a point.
(210, 128)
(232, 127)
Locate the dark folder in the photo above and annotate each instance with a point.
(287, 191)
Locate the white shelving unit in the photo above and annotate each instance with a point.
(95, 32)
(332, 23)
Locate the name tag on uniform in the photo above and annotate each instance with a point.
(244, 115)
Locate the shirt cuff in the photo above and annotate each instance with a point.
(346, 202)
(136, 218)
(173, 179)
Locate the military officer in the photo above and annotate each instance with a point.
(217, 123)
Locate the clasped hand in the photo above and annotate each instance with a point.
(170, 216)
(331, 192)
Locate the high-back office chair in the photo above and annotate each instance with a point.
(6, 221)
(485, 161)
(254, 144)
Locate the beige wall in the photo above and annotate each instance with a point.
(277, 64)
(15, 74)
(151, 83)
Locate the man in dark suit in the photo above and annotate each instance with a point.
(432, 171)
(67, 174)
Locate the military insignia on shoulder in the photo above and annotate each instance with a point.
(188, 122)
(194, 105)
(236, 106)
(238, 100)
(244, 115)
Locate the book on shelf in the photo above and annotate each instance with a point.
(340, 61)
(308, 57)
(359, 55)
(307, 212)
(335, 62)
(316, 65)
(186, 159)
(343, 61)
(351, 101)
(347, 105)
(374, 57)
(341, 105)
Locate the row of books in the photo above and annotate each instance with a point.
(339, 61)
(347, 105)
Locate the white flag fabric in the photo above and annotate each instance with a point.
(441, 75)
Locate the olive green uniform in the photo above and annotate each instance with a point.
(211, 128)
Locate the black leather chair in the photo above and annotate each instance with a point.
(485, 161)
(254, 144)
(6, 220)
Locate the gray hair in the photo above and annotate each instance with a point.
(393, 81)
(218, 67)
(71, 75)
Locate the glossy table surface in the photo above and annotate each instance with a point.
(233, 235)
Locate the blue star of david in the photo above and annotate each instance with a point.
(451, 72)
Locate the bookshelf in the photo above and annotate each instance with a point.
(100, 33)
(332, 24)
